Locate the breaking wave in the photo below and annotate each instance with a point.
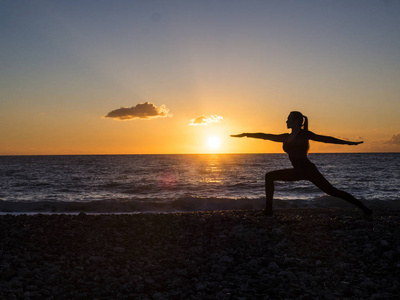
(184, 204)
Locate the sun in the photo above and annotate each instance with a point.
(213, 142)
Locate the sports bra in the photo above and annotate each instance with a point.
(297, 148)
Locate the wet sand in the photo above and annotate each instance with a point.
(297, 254)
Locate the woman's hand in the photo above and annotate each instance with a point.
(355, 143)
(238, 135)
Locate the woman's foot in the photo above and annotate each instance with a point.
(267, 212)
(367, 212)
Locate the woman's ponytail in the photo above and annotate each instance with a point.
(300, 118)
(305, 124)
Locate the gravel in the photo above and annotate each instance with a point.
(297, 254)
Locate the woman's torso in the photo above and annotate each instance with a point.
(297, 148)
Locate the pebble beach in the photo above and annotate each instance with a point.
(296, 254)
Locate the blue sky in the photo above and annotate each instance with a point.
(66, 64)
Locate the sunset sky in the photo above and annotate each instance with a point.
(141, 77)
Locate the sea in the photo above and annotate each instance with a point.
(181, 183)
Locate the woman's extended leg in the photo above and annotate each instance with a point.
(278, 175)
(320, 181)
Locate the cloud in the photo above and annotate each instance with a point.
(141, 111)
(205, 120)
(395, 140)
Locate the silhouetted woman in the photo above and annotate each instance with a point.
(296, 145)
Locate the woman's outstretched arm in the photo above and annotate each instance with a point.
(263, 136)
(329, 139)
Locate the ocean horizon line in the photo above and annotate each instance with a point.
(216, 153)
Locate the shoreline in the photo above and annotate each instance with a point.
(181, 205)
(302, 253)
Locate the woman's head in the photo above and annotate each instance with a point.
(295, 119)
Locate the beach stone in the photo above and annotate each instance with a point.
(291, 276)
(344, 286)
(282, 274)
(31, 288)
(273, 266)
(181, 272)
(149, 280)
(384, 243)
(289, 260)
(359, 293)
(288, 274)
(368, 284)
(159, 296)
(225, 260)
(278, 231)
(119, 249)
(8, 273)
(341, 266)
(16, 281)
(201, 286)
(124, 273)
(253, 263)
(368, 251)
(329, 297)
(97, 259)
